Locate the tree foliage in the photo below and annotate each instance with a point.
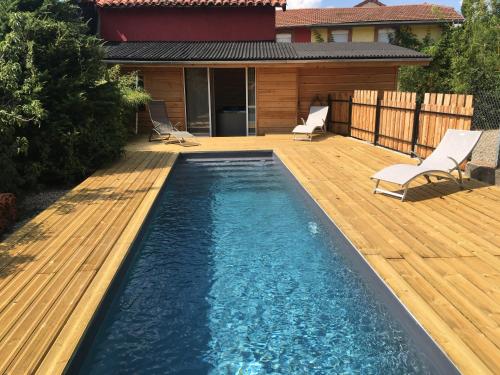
(63, 112)
(465, 59)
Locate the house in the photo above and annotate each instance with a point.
(369, 21)
(218, 68)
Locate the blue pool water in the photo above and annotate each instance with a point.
(237, 273)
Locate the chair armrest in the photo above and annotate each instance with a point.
(303, 121)
(420, 160)
(457, 165)
(175, 126)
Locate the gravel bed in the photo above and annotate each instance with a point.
(34, 203)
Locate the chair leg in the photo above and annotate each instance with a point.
(460, 179)
(376, 186)
(428, 179)
(404, 192)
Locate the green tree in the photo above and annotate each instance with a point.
(475, 61)
(20, 106)
(466, 57)
(65, 110)
(436, 77)
(317, 36)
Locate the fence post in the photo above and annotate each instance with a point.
(329, 125)
(349, 116)
(416, 122)
(377, 122)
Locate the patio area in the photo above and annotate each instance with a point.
(439, 251)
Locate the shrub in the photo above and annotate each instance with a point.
(63, 111)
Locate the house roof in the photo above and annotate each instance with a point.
(376, 2)
(360, 15)
(188, 3)
(254, 51)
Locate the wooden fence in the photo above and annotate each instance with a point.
(364, 115)
(439, 113)
(341, 112)
(398, 122)
(397, 117)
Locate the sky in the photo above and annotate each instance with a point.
(293, 4)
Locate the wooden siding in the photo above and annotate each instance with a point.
(284, 94)
(276, 100)
(325, 81)
(165, 84)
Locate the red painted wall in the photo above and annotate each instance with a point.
(302, 35)
(188, 24)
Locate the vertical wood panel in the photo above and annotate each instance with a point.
(340, 83)
(433, 126)
(364, 114)
(165, 84)
(277, 96)
(396, 123)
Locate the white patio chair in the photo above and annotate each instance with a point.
(453, 150)
(316, 120)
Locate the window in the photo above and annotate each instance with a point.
(383, 35)
(284, 38)
(340, 36)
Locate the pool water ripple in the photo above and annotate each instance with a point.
(235, 274)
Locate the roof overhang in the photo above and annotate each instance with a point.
(396, 61)
(240, 52)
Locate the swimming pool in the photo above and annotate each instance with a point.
(238, 271)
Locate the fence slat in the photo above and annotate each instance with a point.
(364, 107)
(396, 122)
(439, 113)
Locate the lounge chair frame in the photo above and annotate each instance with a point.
(314, 129)
(308, 136)
(445, 173)
(164, 130)
(440, 174)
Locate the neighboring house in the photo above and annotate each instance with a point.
(369, 21)
(220, 72)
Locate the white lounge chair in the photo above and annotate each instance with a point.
(453, 150)
(316, 120)
(162, 126)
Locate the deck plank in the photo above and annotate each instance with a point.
(439, 252)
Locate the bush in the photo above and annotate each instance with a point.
(63, 111)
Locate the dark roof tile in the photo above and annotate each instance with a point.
(253, 51)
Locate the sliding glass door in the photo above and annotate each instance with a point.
(251, 107)
(220, 101)
(197, 101)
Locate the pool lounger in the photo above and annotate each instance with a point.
(315, 121)
(163, 127)
(453, 150)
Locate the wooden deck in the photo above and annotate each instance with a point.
(439, 252)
